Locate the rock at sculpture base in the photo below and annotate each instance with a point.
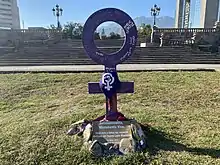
(133, 140)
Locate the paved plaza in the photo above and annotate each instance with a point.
(121, 68)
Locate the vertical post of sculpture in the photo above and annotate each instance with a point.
(111, 101)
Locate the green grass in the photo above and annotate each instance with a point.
(182, 110)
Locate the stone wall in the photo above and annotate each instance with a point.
(10, 36)
(172, 35)
(18, 38)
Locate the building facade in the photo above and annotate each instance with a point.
(9, 14)
(196, 13)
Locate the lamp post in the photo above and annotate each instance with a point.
(58, 12)
(155, 11)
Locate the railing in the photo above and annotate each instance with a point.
(183, 30)
(159, 30)
(30, 30)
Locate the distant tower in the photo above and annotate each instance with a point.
(23, 24)
(103, 36)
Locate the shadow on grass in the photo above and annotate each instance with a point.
(158, 140)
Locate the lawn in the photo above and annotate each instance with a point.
(181, 111)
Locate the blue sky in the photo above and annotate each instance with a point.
(39, 12)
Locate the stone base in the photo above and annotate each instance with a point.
(113, 137)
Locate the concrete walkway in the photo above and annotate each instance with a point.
(122, 68)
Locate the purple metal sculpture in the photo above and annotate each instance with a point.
(110, 84)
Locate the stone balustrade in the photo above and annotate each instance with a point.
(185, 30)
(184, 36)
(170, 36)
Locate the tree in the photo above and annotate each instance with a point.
(96, 35)
(144, 30)
(114, 35)
(73, 30)
(52, 27)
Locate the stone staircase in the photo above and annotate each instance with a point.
(73, 54)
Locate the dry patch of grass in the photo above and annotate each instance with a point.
(182, 109)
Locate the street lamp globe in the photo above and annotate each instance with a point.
(155, 10)
(61, 11)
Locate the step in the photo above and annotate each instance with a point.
(89, 61)
(49, 56)
(146, 62)
(70, 56)
(130, 59)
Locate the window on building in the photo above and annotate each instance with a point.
(6, 14)
(6, 0)
(7, 19)
(5, 24)
(1, 9)
(2, 4)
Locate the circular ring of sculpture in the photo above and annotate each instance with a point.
(117, 16)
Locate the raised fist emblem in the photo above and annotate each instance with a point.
(108, 80)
